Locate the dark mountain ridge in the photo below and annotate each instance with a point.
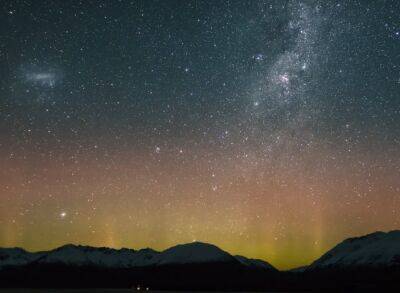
(368, 262)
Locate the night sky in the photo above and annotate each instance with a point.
(268, 128)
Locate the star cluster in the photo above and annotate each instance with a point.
(268, 128)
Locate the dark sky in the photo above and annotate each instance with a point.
(269, 128)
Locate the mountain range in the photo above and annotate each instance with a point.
(80, 256)
(368, 262)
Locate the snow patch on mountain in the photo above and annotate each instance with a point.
(105, 257)
(373, 250)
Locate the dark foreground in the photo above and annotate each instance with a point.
(86, 291)
(79, 291)
(216, 277)
(68, 291)
(99, 290)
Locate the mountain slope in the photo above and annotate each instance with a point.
(378, 249)
(254, 263)
(77, 255)
(196, 252)
(16, 257)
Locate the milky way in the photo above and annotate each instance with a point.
(268, 128)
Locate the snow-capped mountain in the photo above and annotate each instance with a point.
(104, 257)
(76, 255)
(378, 249)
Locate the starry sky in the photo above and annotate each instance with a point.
(268, 128)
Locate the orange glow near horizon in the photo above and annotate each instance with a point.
(288, 218)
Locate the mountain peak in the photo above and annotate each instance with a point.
(197, 245)
(368, 237)
(371, 250)
(195, 252)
